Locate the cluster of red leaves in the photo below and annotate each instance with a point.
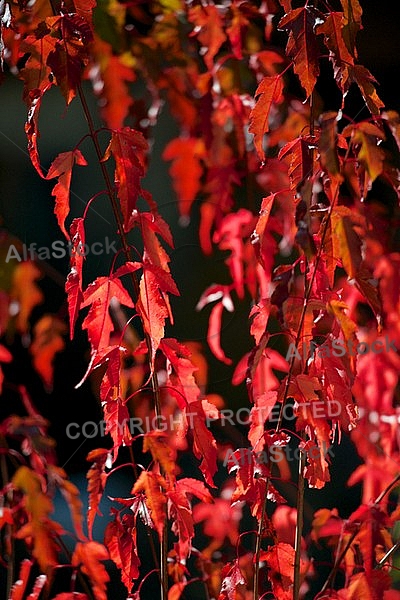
(227, 87)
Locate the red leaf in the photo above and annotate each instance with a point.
(18, 589)
(252, 475)
(152, 485)
(97, 478)
(153, 308)
(70, 53)
(62, 167)
(231, 235)
(73, 285)
(280, 560)
(34, 101)
(259, 414)
(120, 539)
(128, 148)
(181, 381)
(88, 555)
(84, 8)
(302, 45)
(193, 487)
(98, 321)
(214, 333)
(334, 32)
(208, 29)
(232, 579)
(221, 520)
(300, 163)
(204, 444)
(157, 443)
(111, 83)
(259, 316)
(175, 591)
(5, 355)
(186, 169)
(268, 93)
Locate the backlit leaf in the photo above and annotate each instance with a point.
(25, 292)
(268, 93)
(153, 486)
(158, 444)
(119, 538)
(98, 322)
(73, 284)
(89, 556)
(62, 167)
(128, 148)
(96, 477)
(208, 28)
(300, 163)
(302, 45)
(186, 169)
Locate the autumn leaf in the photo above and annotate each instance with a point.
(40, 529)
(61, 168)
(251, 476)
(176, 590)
(334, 30)
(186, 169)
(25, 292)
(268, 93)
(348, 326)
(158, 444)
(19, 587)
(153, 308)
(232, 579)
(37, 81)
(365, 81)
(231, 235)
(180, 369)
(208, 28)
(84, 8)
(152, 486)
(89, 556)
(346, 243)
(128, 148)
(74, 282)
(97, 478)
(70, 54)
(221, 520)
(280, 560)
(120, 539)
(98, 321)
(180, 512)
(302, 45)
(364, 136)
(300, 161)
(116, 76)
(204, 444)
(71, 495)
(47, 341)
(352, 23)
(115, 411)
(327, 145)
(214, 333)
